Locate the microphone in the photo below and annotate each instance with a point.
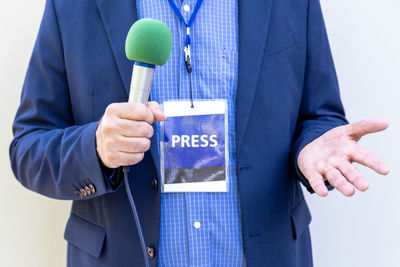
(148, 43)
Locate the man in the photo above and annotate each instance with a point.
(269, 59)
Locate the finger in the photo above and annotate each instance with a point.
(361, 128)
(131, 111)
(317, 183)
(132, 145)
(117, 159)
(352, 174)
(370, 160)
(157, 111)
(129, 128)
(337, 180)
(128, 159)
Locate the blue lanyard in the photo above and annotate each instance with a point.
(188, 25)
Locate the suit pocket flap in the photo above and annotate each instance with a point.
(85, 235)
(301, 218)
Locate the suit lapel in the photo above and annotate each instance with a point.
(254, 17)
(118, 17)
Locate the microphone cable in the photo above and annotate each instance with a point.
(125, 169)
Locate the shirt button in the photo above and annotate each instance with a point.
(186, 8)
(197, 225)
(154, 184)
(150, 252)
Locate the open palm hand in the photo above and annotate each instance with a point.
(330, 158)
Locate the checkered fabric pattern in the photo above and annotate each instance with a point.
(200, 229)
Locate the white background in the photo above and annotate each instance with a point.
(364, 231)
(361, 231)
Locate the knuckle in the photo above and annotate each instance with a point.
(110, 158)
(141, 156)
(150, 119)
(341, 183)
(353, 173)
(315, 183)
(136, 158)
(315, 180)
(344, 165)
(111, 109)
(145, 144)
(147, 114)
(357, 156)
(329, 170)
(136, 145)
(149, 131)
(107, 127)
(347, 151)
(141, 128)
(139, 109)
(145, 129)
(358, 180)
(366, 158)
(140, 145)
(132, 145)
(349, 172)
(333, 179)
(370, 156)
(107, 144)
(152, 104)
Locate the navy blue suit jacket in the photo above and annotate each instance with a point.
(287, 96)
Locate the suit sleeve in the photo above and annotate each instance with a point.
(49, 153)
(321, 108)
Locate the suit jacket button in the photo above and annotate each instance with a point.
(88, 191)
(92, 188)
(154, 184)
(84, 194)
(151, 252)
(78, 194)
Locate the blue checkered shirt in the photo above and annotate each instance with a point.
(200, 229)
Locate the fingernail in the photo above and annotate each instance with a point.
(364, 186)
(159, 112)
(384, 169)
(322, 191)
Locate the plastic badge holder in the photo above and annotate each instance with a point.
(194, 147)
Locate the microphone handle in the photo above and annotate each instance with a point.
(142, 77)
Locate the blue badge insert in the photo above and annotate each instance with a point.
(194, 147)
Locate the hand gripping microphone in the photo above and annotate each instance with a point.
(148, 43)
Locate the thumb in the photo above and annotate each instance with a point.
(156, 110)
(367, 126)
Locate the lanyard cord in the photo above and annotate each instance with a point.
(188, 61)
(191, 90)
(179, 15)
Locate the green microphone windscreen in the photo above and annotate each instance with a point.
(149, 41)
